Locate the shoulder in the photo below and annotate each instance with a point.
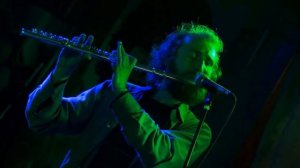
(134, 89)
(131, 86)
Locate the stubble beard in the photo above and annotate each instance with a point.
(186, 93)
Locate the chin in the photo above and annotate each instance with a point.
(188, 94)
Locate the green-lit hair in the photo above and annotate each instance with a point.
(162, 54)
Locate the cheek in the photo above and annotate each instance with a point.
(209, 71)
(181, 66)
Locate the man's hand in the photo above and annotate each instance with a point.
(122, 65)
(69, 60)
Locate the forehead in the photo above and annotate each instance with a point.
(198, 42)
(201, 43)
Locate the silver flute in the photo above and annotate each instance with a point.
(60, 41)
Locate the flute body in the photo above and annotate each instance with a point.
(60, 41)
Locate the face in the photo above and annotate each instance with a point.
(195, 55)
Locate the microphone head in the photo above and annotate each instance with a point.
(199, 79)
(202, 81)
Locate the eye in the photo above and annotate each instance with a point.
(197, 54)
(193, 55)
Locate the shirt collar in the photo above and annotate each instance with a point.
(183, 110)
(179, 115)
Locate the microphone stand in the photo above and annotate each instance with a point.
(206, 108)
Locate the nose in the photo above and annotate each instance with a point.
(197, 67)
(201, 68)
(198, 63)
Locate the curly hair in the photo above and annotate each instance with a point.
(163, 54)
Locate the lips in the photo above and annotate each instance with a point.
(190, 76)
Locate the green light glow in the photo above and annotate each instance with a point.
(213, 54)
(210, 66)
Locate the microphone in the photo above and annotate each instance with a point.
(202, 81)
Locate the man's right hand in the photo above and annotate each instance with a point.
(69, 60)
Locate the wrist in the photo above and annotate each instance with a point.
(60, 74)
(59, 77)
(117, 97)
(119, 90)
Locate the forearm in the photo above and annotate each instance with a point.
(141, 131)
(162, 148)
(44, 102)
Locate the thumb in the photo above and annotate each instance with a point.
(133, 61)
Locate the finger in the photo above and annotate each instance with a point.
(120, 59)
(89, 41)
(125, 56)
(75, 40)
(79, 42)
(133, 62)
(113, 58)
(87, 44)
(113, 55)
(82, 38)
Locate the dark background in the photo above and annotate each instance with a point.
(260, 64)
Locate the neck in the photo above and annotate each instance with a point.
(163, 96)
(171, 93)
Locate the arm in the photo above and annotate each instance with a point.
(161, 148)
(47, 111)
